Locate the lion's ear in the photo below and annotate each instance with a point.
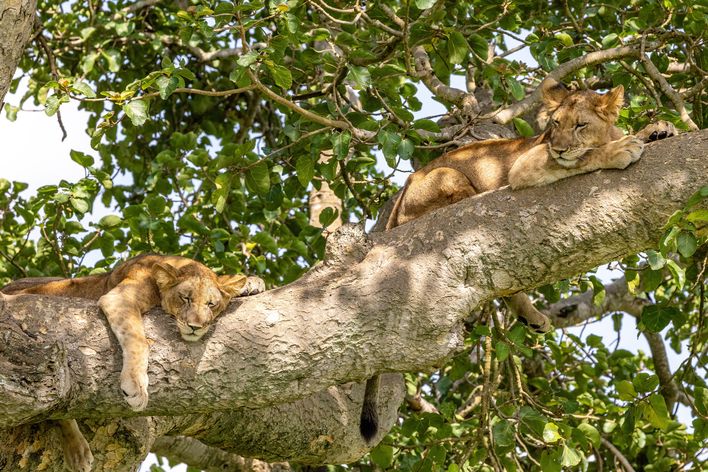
(553, 93)
(231, 284)
(165, 275)
(612, 102)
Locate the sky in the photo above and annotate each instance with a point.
(34, 153)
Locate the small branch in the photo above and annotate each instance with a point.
(667, 89)
(505, 115)
(183, 449)
(616, 452)
(337, 124)
(424, 72)
(55, 74)
(669, 389)
(577, 309)
(139, 5)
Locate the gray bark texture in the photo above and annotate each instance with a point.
(16, 20)
(259, 385)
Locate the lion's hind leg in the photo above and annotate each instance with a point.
(440, 187)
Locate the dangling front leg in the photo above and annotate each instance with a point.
(77, 453)
(124, 306)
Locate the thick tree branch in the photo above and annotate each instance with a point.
(395, 301)
(16, 20)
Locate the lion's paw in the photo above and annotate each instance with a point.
(627, 150)
(134, 386)
(656, 131)
(253, 286)
(78, 457)
(77, 452)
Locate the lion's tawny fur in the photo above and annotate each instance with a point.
(186, 289)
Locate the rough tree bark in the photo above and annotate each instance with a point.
(16, 20)
(392, 301)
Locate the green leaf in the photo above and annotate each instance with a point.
(480, 46)
(550, 433)
(591, 433)
(644, 382)
(11, 112)
(457, 47)
(550, 461)
(651, 279)
(382, 456)
(570, 457)
(626, 390)
(630, 420)
(240, 77)
(406, 148)
(598, 289)
(258, 178)
(328, 216)
(657, 414)
(517, 90)
(503, 433)
(80, 205)
(84, 160)
(305, 169)
(281, 75)
(532, 419)
(523, 128)
(247, 59)
(610, 40)
(565, 38)
(113, 58)
(701, 400)
(53, 103)
(166, 85)
(656, 260)
(360, 76)
(389, 146)
(502, 350)
(657, 317)
(84, 89)
(677, 273)
(698, 215)
(340, 144)
(266, 241)
(424, 4)
(686, 244)
(88, 62)
(136, 111)
(109, 221)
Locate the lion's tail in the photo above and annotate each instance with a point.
(369, 421)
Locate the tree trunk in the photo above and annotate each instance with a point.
(393, 301)
(16, 20)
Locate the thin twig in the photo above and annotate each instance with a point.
(616, 452)
(666, 88)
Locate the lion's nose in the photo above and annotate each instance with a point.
(559, 150)
(194, 327)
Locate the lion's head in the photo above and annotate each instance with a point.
(579, 121)
(195, 295)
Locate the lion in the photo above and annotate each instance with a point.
(581, 137)
(186, 289)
